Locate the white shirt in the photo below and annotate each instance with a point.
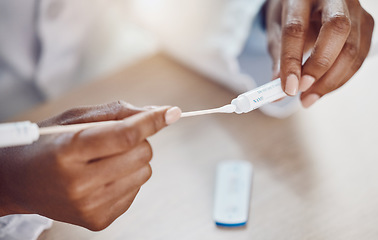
(40, 49)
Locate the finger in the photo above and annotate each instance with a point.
(336, 75)
(366, 32)
(102, 216)
(122, 203)
(110, 192)
(121, 206)
(98, 142)
(343, 69)
(332, 37)
(367, 27)
(295, 20)
(120, 165)
(129, 183)
(111, 111)
(273, 26)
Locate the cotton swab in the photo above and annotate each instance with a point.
(225, 109)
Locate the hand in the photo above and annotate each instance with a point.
(339, 33)
(87, 178)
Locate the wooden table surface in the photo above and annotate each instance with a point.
(316, 172)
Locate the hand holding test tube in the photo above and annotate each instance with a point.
(248, 101)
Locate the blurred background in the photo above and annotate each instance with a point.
(315, 171)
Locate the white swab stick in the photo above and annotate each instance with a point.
(81, 126)
(73, 127)
(225, 109)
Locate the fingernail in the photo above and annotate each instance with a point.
(309, 100)
(291, 87)
(306, 83)
(172, 115)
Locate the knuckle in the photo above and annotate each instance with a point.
(328, 86)
(147, 151)
(112, 109)
(130, 137)
(75, 188)
(84, 211)
(64, 151)
(294, 28)
(351, 49)
(358, 63)
(146, 173)
(116, 108)
(70, 116)
(90, 217)
(340, 23)
(369, 19)
(119, 104)
(122, 104)
(97, 225)
(293, 59)
(291, 64)
(322, 62)
(74, 191)
(156, 120)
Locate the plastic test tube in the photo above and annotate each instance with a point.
(18, 133)
(24, 133)
(257, 97)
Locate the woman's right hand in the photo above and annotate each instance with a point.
(87, 178)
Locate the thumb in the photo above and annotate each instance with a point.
(125, 135)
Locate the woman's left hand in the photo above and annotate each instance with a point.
(339, 33)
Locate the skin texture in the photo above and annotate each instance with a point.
(86, 178)
(339, 33)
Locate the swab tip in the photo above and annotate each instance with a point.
(229, 108)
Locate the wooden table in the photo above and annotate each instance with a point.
(316, 172)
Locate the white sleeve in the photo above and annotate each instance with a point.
(205, 35)
(23, 226)
(63, 29)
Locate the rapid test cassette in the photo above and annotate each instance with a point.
(232, 193)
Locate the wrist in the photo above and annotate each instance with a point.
(8, 204)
